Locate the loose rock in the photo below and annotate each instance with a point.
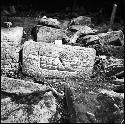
(49, 22)
(81, 20)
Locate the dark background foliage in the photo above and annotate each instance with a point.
(57, 5)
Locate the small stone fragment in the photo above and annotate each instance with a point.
(81, 20)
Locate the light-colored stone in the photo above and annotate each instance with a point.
(83, 29)
(58, 42)
(50, 22)
(20, 86)
(12, 35)
(49, 34)
(15, 112)
(52, 60)
(9, 58)
(81, 20)
(10, 47)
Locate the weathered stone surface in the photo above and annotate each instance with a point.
(65, 24)
(111, 37)
(83, 29)
(81, 20)
(115, 38)
(19, 86)
(49, 34)
(91, 38)
(9, 59)
(12, 110)
(12, 35)
(49, 60)
(80, 30)
(10, 47)
(50, 22)
(113, 66)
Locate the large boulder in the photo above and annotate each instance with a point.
(10, 47)
(50, 60)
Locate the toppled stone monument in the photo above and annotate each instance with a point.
(50, 60)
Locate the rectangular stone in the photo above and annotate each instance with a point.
(9, 57)
(57, 61)
(10, 47)
(49, 34)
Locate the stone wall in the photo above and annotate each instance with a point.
(50, 60)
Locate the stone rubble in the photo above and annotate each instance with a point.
(43, 57)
